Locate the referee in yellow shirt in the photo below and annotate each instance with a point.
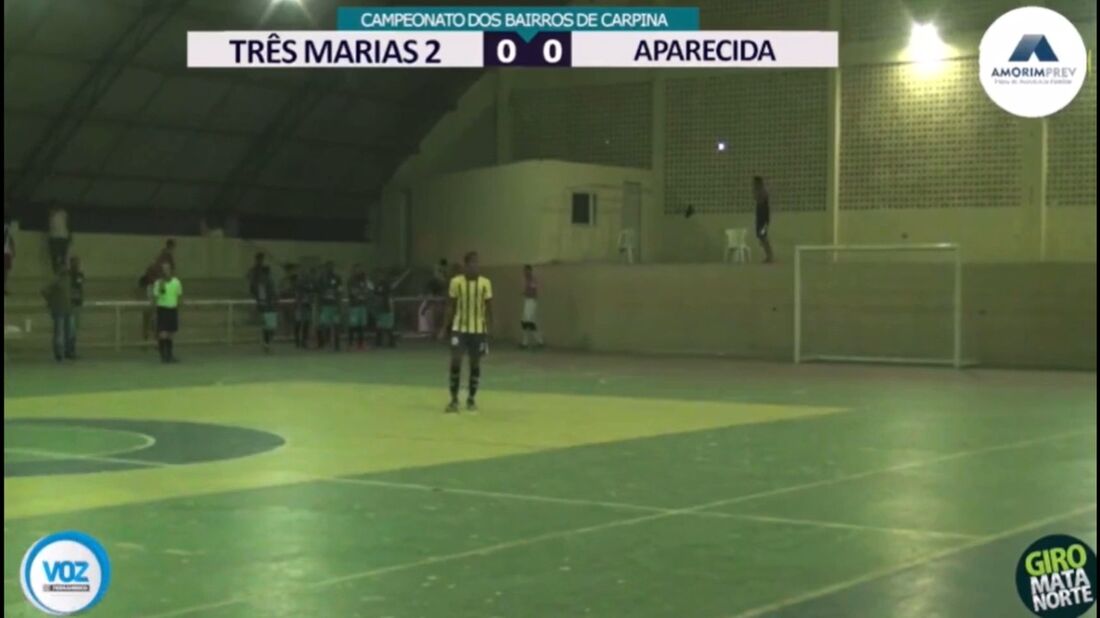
(469, 313)
(167, 291)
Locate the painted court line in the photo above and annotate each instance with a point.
(490, 549)
(56, 455)
(645, 508)
(910, 564)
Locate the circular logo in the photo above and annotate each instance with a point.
(1056, 577)
(65, 573)
(1032, 62)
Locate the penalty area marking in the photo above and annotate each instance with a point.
(491, 549)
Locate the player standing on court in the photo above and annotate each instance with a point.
(359, 292)
(763, 216)
(267, 303)
(469, 313)
(304, 292)
(328, 320)
(167, 291)
(529, 323)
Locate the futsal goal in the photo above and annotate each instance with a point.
(886, 303)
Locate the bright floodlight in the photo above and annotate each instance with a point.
(926, 48)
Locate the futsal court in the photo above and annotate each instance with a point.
(602, 485)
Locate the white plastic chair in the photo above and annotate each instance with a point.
(737, 246)
(628, 244)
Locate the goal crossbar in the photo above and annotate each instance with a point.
(955, 359)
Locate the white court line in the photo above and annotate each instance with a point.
(56, 455)
(490, 549)
(645, 508)
(910, 564)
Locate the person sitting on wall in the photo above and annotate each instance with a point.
(59, 237)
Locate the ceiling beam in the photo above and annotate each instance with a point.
(321, 192)
(367, 147)
(251, 77)
(44, 154)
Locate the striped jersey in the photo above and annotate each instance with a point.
(470, 297)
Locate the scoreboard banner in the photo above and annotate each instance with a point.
(583, 37)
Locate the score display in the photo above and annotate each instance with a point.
(474, 37)
(339, 49)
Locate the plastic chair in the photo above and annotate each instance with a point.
(628, 244)
(737, 247)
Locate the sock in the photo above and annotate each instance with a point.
(267, 337)
(456, 377)
(475, 377)
(335, 339)
(538, 336)
(162, 347)
(168, 347)
(526, 336)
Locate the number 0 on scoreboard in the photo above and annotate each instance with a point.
(546, 49)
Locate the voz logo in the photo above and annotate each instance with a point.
(1033, 45)
(66, 570)
(65, 573)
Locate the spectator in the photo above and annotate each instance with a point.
(330, 291)
(359, 293)
(76, 293)
(58, 298)
(256, 273)
(59, 237)
(383, 313)
(437, 286)
(9, 250)
(267, 303)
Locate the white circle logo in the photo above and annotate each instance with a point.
(65, 573)
(1032, 62)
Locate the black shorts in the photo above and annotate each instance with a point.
(168, 320)
(474, 344)
(762, 228)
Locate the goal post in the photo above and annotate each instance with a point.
(879, 303)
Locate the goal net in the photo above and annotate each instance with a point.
(878, 303)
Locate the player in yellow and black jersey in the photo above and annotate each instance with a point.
(469, 314)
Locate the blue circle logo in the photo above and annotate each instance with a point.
(65, 573)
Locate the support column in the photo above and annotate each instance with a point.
(832, 184)
(504, 117)
(652, 216)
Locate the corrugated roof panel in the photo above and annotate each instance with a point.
(182, 196)
(209, 156)
(169, 47)
(186, 100)
(121, 193)
(146, 152)
(84, 29)
(20, 134)
(41, 84)
(61, 188)
(129, 93)
(89, 147)
(248, 108)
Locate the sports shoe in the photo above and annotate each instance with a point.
(471, 405)
(452, 407)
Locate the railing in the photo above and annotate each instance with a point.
(127, 323)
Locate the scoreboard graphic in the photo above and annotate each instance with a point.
(476, 37)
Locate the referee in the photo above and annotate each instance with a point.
(469, 312)
(167, 291)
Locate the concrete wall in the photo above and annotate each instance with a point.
(1014, 315)
(123, 258)
(521, 212)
